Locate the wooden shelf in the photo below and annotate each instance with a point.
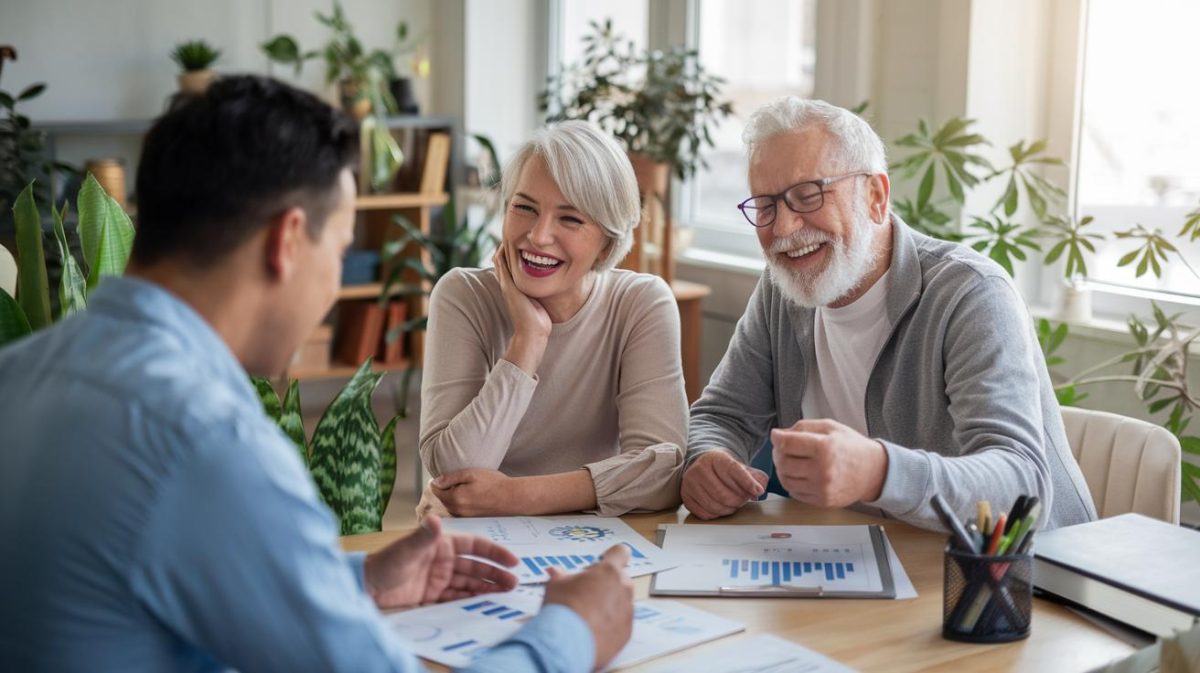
(345, 371)
(406, 200)
(689, 291)
(367, 291)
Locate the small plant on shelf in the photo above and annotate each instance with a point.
(194, 55)
(361, 76)
(195, 59)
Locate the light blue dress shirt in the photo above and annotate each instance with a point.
(153, 519)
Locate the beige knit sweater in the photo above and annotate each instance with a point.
(608, 396)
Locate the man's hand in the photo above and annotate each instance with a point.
(825, 463)
(478, 492)
(717, 484)
(603, 596)
(427, 567)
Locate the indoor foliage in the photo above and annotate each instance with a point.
(1157, 365)
(352, 459)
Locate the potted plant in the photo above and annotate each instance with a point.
(1157, 365)
(105, 236)
(24, 158)
(352, 459)
(658, 104)
(195, 58)
(361, 77)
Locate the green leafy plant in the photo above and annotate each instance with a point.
(106, 237)
(194, 55)
(1157, 363)
(363, 78)
(1069, 237)
(24, 157)
(1158, 371)
(660, 103)
(1002, 241)
(351, 458)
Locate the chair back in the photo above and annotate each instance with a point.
(1129, 465)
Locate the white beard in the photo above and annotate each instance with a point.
(848, 265)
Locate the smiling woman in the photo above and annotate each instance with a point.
(553, 381)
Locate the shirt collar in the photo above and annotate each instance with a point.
(133, 299)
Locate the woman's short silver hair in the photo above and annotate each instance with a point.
(859, 148)
(595, 175)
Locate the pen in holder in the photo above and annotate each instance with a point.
(986, 599)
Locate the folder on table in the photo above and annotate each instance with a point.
(1134, 569)
(764, 561)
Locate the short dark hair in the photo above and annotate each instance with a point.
(215, 169)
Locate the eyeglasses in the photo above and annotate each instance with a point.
(802, 197)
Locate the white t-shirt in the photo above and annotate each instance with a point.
(847, 340)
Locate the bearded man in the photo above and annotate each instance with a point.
(884, 366)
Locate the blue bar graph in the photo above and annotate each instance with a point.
(785, 572)
(492, 609)
(458, 646)
(536, 565)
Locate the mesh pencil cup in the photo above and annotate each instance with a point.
(986, 599)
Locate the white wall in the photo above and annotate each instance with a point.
(109, 60)
(505, 51)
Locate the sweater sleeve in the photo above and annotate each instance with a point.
(652, 411)
(469, 408)
(737, 408)
(991, 362)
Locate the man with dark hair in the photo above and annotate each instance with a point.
(151, 517)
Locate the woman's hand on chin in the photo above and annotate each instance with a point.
(531, 323)
(478, 492)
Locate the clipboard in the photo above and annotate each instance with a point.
(733, 590)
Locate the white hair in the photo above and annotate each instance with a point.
(858, 147)
(593, 173)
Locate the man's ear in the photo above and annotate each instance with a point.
(283, 243)
(879, 192)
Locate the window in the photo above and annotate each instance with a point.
(1138, 136)
(763, 49)
(629, 17)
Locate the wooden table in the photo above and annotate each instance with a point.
(878, 635)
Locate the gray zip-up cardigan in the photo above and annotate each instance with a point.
(959, 395)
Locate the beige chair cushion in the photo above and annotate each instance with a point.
(1129, 465)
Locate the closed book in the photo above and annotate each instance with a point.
(1134, 569)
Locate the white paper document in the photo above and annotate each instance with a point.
(754, 654)
(458, 632)
(776, 560)
(568, 543)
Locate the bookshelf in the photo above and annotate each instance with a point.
(431, 151)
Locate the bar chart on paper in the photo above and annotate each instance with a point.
(835, 559)
(779, 573)
(566, 543)
(456, 632)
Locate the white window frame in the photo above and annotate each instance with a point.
(1111, 303)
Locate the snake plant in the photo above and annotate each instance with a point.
(352, 459)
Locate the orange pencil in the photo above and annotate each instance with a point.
(997, 533)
